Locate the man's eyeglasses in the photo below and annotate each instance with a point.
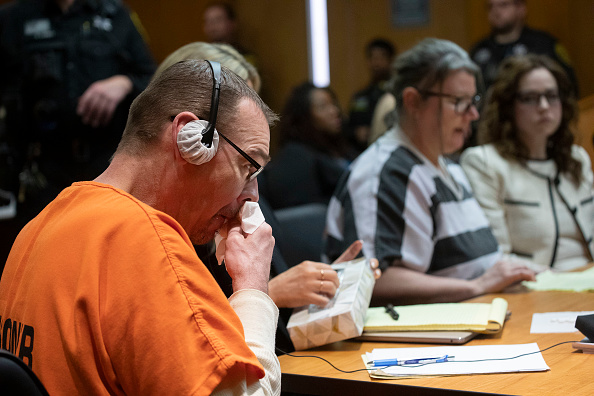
(535, 98)
(214, 106)
(253, 162)
(462, 104)
(259, 168)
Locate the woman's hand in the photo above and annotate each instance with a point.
(352, 252)
(311, 282)
(306, 283)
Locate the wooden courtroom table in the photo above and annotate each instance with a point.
(570, 373)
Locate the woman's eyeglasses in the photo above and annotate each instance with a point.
(532, 98)
(462, 104)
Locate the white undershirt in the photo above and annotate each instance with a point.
(259, 316)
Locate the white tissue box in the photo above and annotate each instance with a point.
(343, 317)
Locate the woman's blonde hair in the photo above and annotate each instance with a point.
(225, 54)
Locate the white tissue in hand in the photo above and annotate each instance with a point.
(251, 218)
(220, 242)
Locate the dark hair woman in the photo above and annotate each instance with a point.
(534, 184)
(313, 150)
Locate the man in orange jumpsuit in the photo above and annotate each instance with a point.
(103, 292)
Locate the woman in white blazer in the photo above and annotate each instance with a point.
(533, 183)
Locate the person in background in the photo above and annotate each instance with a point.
(220, 26)
(510, 36)
(533, 183)
(383, 116)
(412, 207)
(309, 282)
(379, 54)
(120, 298)
(313, 150)
(225, 54)
(69, 70)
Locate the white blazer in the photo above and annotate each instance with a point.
(519, 202)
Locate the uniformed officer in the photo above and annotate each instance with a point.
(510, 36)
(69, 70)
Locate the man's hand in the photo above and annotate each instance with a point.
(501, 275)
(248, 256)
(98, 103)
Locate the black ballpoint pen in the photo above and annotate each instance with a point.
(392, 312)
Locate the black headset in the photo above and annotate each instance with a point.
(208, 133)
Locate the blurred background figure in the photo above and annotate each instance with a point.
(313, 150)
(225, 54)
(510, 36)
(384, 117)
(379, 54)
(534, 185)
(221, 26)
(384, 114)
(412, 207)
(69, 70)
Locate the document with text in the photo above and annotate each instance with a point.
(462, 360)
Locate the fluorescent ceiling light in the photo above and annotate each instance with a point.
(317, 37)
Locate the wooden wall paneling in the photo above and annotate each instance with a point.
(580, 43)
(276, 32)
(353, 23)
(169, 24)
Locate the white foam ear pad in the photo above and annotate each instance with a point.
(189, 143)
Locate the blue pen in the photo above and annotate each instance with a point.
(396, 362)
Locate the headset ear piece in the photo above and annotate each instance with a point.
(190, 145)
(198, 141)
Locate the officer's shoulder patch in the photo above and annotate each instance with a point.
(482, 56)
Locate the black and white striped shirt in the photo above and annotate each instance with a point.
(405, 208)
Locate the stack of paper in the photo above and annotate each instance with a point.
(565, 281)
(479, 359)
(477, 317)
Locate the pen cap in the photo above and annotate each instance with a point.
(585, 324)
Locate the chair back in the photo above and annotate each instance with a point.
(302, 231)
(17, 379)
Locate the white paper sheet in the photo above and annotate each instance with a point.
(476, 359)
(555, 322)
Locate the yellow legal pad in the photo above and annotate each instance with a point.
(477, 317)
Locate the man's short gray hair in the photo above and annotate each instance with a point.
(185, 86)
